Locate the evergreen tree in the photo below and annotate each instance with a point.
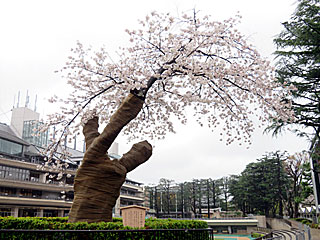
(261, 187)
(224, 184)
(299, 63)
(238, 191)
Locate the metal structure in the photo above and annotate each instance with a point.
(179, 234)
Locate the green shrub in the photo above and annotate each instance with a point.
(174, 224)
(62, 224)
(314, 225)
(307, 222)
(116, 219)
(299, 219)
(257, 235)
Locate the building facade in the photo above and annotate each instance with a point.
(28, 187)
(131, 193)
(25, 190)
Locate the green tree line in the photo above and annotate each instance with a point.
(274, 185)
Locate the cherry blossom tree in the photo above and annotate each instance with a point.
(295, 166)
(171, 66)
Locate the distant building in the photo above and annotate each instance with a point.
(26, 189)
(131, 193)
(18, 118)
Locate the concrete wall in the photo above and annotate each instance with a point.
(261, 221)
(278, 224)
(315, 234)
(250, 230)
(19, 115)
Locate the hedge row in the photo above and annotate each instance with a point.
(308, 222)
(62, 223)
(36, 223)
(174, 224)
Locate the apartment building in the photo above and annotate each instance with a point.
(26, 188)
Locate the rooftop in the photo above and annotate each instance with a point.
(7, 133)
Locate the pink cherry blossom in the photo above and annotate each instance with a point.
(195, 64)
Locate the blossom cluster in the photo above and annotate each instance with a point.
(184, 63)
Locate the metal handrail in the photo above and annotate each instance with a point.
(200, 234)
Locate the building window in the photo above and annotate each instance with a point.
(32, 135)
(4, 212)
(27, 212)
(238, 229)
(34, 177)
(50, 213)
(30, 193)
(11, 148)
(5, 191)
(14, 173)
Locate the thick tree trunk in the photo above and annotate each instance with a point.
(98, 180)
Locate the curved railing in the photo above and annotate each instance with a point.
(293, 234)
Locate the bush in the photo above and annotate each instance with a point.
(314, 225)
(256, 235)
(152, 223)
(116, 224)
(36, 223)
(55, 223)
(307, 222)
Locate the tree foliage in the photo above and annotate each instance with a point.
(275, 185)
(297, 167)
(166, 198)
(224, 187)
(299, 65)
(298, 57)
(239, 193)
(261, 187)
(174, 63)
(188, 199)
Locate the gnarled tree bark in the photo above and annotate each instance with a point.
(98, 180)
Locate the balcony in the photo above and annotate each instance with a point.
(131, 197)
(14, 157)
(20, 200)
(36, 185)
(26, 163)
(34, 197)
(133, 187)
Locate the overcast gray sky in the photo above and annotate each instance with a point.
(36, 38)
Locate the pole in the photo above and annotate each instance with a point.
(314, 156)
